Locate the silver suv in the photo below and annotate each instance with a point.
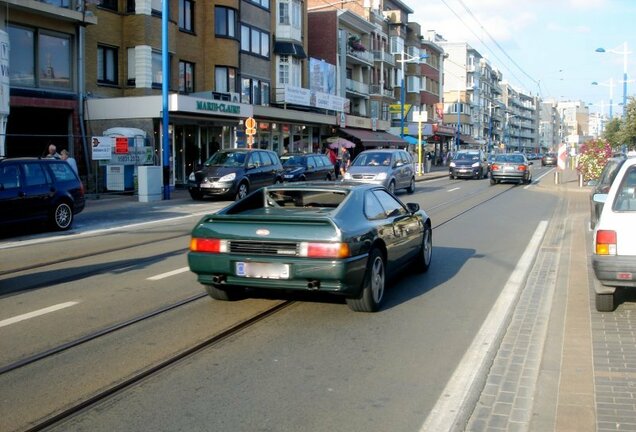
(392, 168)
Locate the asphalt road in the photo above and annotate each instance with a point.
(314, 366)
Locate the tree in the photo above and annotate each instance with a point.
(627, 132)
(610, 134)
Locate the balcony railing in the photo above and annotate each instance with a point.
(357, 86)
(376, 89)
(384, 57)
(365, 56)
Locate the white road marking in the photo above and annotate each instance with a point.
(168, 274)
(537, 179)
(454, 189)
(463, 385)
(36, 313)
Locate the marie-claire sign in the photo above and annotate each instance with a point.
(102, 147)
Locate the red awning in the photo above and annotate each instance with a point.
(371, 138)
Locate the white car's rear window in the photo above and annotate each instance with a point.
(626, 194)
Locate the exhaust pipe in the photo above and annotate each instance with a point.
(313, 285)
(218, 279)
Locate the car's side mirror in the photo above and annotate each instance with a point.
(592, 183)
(413, 207)
(599, 198)
(530, 163)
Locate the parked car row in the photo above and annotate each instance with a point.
(613, 217)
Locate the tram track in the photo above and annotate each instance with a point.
(118, 387)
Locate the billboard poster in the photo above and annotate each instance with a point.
(322, 76)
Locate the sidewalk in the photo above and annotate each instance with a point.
(562, 366)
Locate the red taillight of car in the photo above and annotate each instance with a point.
(522, 167)
(495, 167)
(605, 242)
(208, 245)
(324, 250)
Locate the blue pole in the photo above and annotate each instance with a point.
(459, 123)
(402, 96)
(624, 93)
(165, 143)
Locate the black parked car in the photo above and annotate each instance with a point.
(302, 167)
(468, 163)
(34, 189)
(235, 172)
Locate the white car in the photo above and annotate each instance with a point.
(614, 257)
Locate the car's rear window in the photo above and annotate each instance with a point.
(62, 171)
(304, 198)
(625, 199)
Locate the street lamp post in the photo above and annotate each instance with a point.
(611, 94)
(402, 89)
(624, 53)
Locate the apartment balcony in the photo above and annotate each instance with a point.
(287, 32)
(359, 57)
(357, 87)
(382, 56)
(377, 90)
(65, 10)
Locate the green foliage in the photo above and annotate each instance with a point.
(620, 131)
(610, 134)
(593, 157)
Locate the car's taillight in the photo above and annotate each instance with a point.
(208, 245)
(522, 168)
(324, 250)
(495, 167)
(605, 242)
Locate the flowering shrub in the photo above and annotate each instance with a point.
(593, 156)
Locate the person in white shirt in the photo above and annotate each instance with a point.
(71, 161)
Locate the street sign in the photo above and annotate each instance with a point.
(397, 108)
(250, 131)
(101, 148)
(250, 123)
(561, 156)
(121, 145)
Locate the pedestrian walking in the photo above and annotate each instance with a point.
(345, 161)
(52, 152)
(333, 157)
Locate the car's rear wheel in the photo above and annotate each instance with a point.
(225, 294)
(605, 302)
(411, 187)
(62, 216)
(373, 285)
(242, 191)
(423, 260)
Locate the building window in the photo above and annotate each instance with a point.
(186, 15)
(224, 21)
(107, 70)
(262, 3)
(40, 59)
(283, 69)
(109, 4)
(254, 91)
(224, 79)
(254, 41)
(186, 77)
(290, 13)
(289, 70)
(157, 70)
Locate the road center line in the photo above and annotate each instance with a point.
(36, 313)
(456, 398)
(168, 274)
(454, 189)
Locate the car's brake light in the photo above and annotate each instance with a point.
(606, 242)
(324, 250)
(522, 168)
(495, 167)
(208, 245)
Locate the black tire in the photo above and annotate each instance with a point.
(328, 177)
(196, 195)
(225, 294)
(391, 187)
(373, 285)
(302, 179)
(450, 176)
(423, 261)
(62, 216)
(480, 174)
(411, 187)
(242, 191)
(605, 302)
(493, 181)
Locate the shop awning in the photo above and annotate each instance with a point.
(289, 48)
(374, 138)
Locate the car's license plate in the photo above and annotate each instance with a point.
(509, 168)
(262, 270)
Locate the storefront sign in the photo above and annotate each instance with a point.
(136, 156)
(218, 107)
(121, 145)
(305, 97)
(102, 148)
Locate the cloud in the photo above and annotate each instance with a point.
(587, 4)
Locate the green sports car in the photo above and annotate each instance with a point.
(341, 238)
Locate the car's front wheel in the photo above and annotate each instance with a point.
(423, 260)
(391, 187)
(242, 191)
(196, 195)
(373, 285)
(225, 294)
(62, 216)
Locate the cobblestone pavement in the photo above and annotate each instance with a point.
(563, 366)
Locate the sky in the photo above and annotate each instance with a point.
(545, 47)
